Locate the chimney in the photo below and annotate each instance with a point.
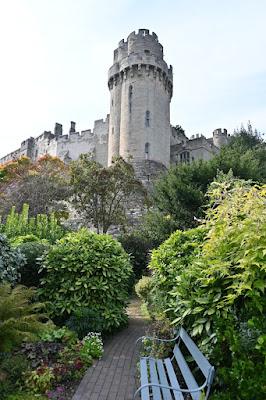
(72, 127)
(58, 129)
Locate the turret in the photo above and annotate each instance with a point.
(58, 129)
(220, 137)
(72, 127)
(141, 86)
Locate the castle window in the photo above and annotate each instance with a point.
(36, 153)
(130, 94)
(147, 51)
(185, 157)
(147, 150)
(113, 130)
(147, 119)
(112, 102)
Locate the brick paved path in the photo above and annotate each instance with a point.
(113, 377)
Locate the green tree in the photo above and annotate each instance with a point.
(104, 194)
(40, 184)
(181, 193)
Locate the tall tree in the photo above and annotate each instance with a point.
(39, 184)
(104, 194)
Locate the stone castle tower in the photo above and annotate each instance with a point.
(141, 87)
(138, 127)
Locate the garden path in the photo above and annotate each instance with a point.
(113, 377)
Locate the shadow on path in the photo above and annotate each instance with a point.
(113, 377)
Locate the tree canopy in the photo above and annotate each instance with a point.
(39, 184)
(181, 193)
(103, 194)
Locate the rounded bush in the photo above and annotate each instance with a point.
(168, 262)
(143, 287)
(138, 247)
(85, 269)
(11, 260)
(29, 272)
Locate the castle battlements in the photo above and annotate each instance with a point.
(138, 126)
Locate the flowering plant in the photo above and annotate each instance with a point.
(92, 344)
(57, 394)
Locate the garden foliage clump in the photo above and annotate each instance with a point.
(212, 280)
(42, 226)
(11, 260)
(85, 269)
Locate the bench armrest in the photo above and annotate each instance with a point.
(154, 339)
(147, 385)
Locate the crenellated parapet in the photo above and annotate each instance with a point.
(140, 55)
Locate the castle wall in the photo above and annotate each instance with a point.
(194, 149)
(138, 128)
(100, 131)
(69, 147)
(44, 144)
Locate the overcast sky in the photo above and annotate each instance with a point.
(55, 56)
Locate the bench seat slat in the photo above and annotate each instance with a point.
(173, 379)
(163, 380)
(187, 374)
(154, 379)
(144, 379)
(202, 361)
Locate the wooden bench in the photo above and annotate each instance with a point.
(159, 380)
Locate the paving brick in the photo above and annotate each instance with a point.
(113, 377)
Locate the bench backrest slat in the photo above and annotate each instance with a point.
(202, 361)
(187, 374)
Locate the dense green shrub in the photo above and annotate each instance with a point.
(138, 248)
(144, 286)
(11, 261)
(19, 316)
(85, 320)
(14, 366)
(29, 272)
(167, 264)
(145, 291)
(220, 294)
(85, 269)
(6, 387)
(18, 240)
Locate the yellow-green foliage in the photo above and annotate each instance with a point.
(143, 287)
(219, 296)
(168, 262)
(19, 316)
(42, 226)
